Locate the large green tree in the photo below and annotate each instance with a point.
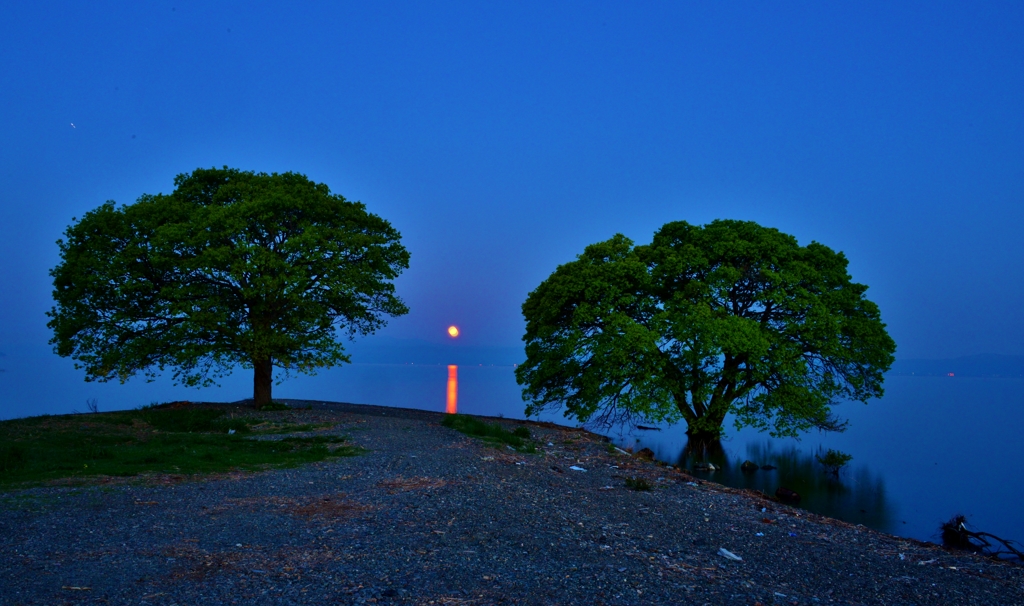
(730, 317)
(231, 268)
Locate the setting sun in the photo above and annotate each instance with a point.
(453, 331)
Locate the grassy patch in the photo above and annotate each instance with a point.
(185, 440)
(272, 427)
(493, 433)
(637, 484)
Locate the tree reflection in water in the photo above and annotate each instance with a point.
(857, 495)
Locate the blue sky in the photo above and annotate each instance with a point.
(502, 138)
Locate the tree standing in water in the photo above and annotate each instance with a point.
(231, 268)
(730, 317)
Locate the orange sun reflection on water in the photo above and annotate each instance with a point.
(453, 389)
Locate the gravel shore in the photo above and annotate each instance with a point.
(429, 516)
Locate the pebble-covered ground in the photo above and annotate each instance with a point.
(430, 516)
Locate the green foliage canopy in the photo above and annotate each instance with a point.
(730, 317)
(231, 268)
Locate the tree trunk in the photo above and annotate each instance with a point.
(703, 422)
(262, 381)
(708, 449)
(707, 427)
(705, 435)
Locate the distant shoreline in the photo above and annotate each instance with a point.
(985, 366)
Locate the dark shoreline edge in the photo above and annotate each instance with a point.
(431, 416)
(428, 513)
(419, 414)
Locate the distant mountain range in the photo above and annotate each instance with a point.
(982, 365)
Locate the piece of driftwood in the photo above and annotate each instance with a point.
(956, 534)
(787, 495)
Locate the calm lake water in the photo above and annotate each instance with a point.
(931, 448)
